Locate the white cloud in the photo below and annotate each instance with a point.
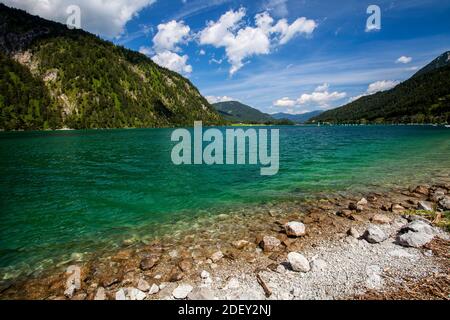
(322, 88)
(173, 61)
(375, 87)
(277, 7)
(381, 86)
(107, 18)
(166, 50)
(299, 26)
(242, 41)
(213, 60)
(320, 97)
(214, 99)
(404, 60)
(285, 102)
(202, 52)
(170, 35)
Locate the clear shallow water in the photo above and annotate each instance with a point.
(82, 191)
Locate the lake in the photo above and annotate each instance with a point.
(80, 191)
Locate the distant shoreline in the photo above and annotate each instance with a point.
(239, 125)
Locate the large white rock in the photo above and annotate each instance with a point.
(298, 262)
(419, 226)
(414, 239)
(295, 229)
(182, 291)
(374, 234)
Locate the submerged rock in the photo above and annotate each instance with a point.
(422, 189)
(295, 229)
(298, 262)
(175, 275)
(240, 244)
(185, 265)
(362, 202)
(270, 243)
(437, 196)
(374, 234)
(149, 262)
(344, 213)
(216, 256)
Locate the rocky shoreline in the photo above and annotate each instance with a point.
(378, 245)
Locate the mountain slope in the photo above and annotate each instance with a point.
(424, 98)
(53, 77)
(441, 61)
(297, 118)
(237, 112)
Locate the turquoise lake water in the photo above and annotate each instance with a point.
(79, 191)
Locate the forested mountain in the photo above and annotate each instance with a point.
(54, 77)
(297, 118)
(236, 112)
(424, 98)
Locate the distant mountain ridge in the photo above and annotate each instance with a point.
(442, 61)
(237, 112)
(297, 118)
(54, 77)
(424, 98)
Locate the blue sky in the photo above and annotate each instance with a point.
(317, 54)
